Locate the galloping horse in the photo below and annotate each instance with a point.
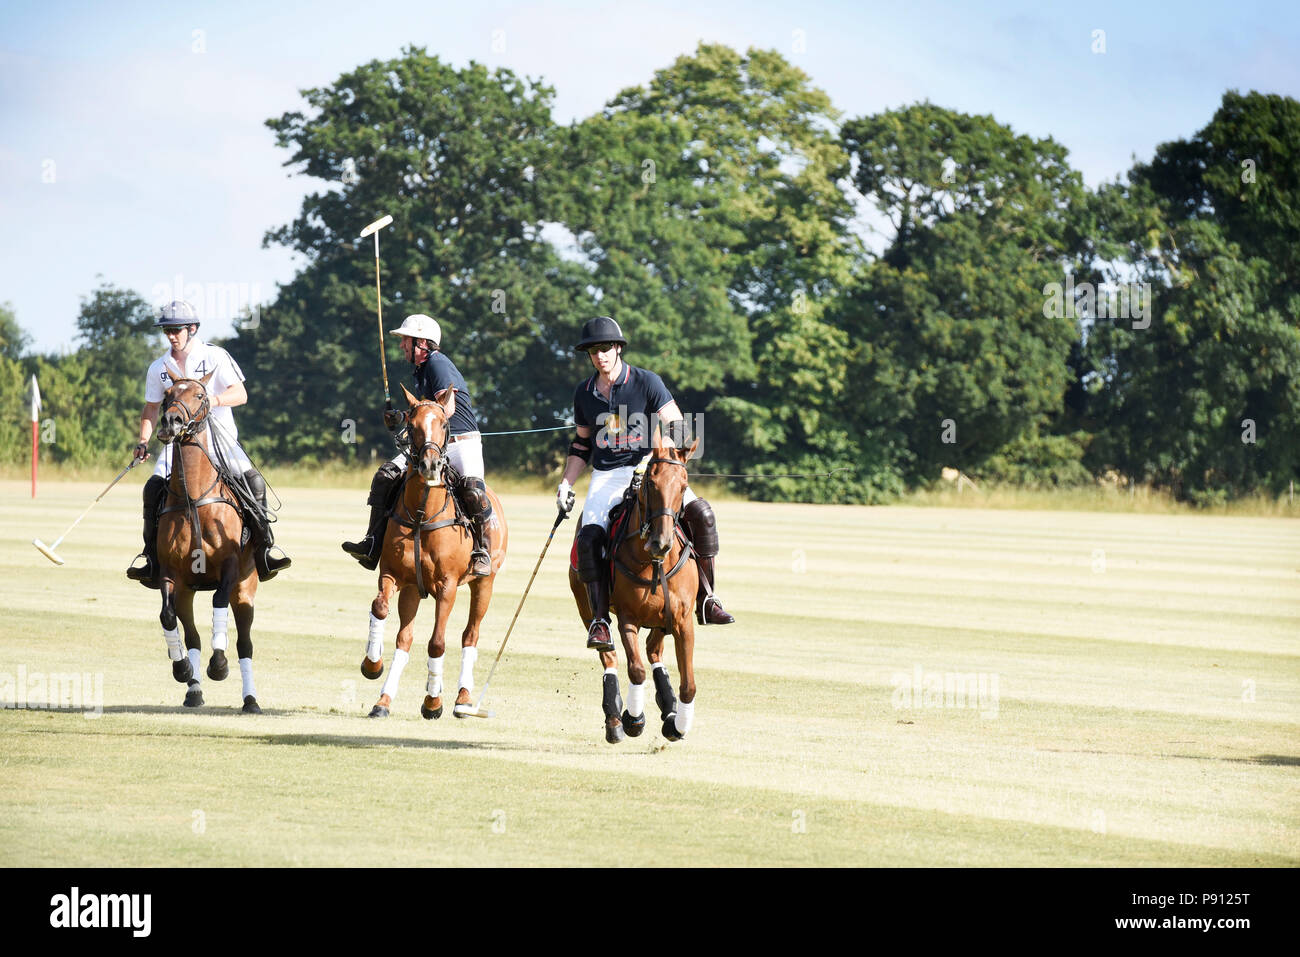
(652, 562)
(426, 552)
(200, 546)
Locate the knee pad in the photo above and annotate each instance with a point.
(382, 485)
(474, 498)
(253, 479)
(154, 491)
(703, 527)
(591, 553)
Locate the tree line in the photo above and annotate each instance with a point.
(895, 293)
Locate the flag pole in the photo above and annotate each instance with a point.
(36, 408)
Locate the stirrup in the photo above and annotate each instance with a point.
(146, 574)
(364, 552)
(702, 612)
(268, 565)
(596, 643)
(480, 563)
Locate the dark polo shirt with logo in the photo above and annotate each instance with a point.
(621, 425)
(438, 373)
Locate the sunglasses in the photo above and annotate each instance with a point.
(601, 347)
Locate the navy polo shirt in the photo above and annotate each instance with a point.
(438, 373)
(621, 425)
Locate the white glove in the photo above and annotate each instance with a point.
(564, 497)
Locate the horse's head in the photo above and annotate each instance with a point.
(428, 422)
(662, 490)
(184, 409)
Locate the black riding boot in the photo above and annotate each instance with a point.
(268, 565)
(703, 531)
(382, 487)
(594, 572)
(155, 493)
(472, 493)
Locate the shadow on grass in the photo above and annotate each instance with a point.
(1275, 760)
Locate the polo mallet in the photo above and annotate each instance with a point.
(477, 710)
(49, 550)
(375, 227)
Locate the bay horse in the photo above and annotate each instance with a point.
(652, 561)
(202, 546)
(426, 551)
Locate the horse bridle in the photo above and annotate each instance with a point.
(417, 454)
(195, 422)
(648, 516)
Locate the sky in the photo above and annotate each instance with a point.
(134, 151)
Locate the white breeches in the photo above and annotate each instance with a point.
(605, 490)
(235, 456)
(465, 455)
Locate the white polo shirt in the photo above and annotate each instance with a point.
(203, 359)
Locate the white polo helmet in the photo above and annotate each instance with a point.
(420, 327)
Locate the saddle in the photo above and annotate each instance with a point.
(619, 529)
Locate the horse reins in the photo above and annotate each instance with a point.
(416, 522)
(195, 423)
(661, 576)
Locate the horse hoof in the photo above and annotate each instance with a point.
(379, 711)
(372, 675)
(430, 714)
(633, 726)
(613, 731)
(194, 698)
(250, 705)
(218, 666)
(182, 671)
(669, 730)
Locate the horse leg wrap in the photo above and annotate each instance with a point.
(611, 701)
(433, 687)
(375, 641)
(664, 696)
(685, 713)
(246, 676)
(400, 658)
(195, 657)
(636, 699)
(467, 658)
(175, 650)
(219, 618)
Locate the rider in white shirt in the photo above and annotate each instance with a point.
(191, 358)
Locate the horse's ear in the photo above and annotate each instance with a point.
(690, 453)
(447, 399)
(204, 381)
(410, 399)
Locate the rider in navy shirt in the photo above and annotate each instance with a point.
(437, 373)
(616, 412)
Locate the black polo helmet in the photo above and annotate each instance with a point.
(176, 313)
(600, 329)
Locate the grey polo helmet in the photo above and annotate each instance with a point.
(600, 329)
(178, 312)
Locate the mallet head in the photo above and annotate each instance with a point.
(377, 225)
(47, 551)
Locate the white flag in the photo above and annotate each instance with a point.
(36, 400)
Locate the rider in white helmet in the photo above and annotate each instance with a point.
(434, 372)
(189, 357)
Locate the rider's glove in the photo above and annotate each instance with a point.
(141, 451)
(564, 497)
(392, 419)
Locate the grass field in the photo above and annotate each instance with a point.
(1141, 706)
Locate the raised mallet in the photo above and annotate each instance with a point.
(49, 550)
(374, 228)
(477, 710)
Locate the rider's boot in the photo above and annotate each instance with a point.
(268, 563)
(382, 486)
(155, 492)
(594, 572)
(703, 531)
(474, 500)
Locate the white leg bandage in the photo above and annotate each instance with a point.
(246, 674)
(467, 658)
(219, 619)
(375, 641)
(400, 658)
(660, 666)
(682, 720)
(433, 687)
(636, 699)
(175, 650)
(195, 663)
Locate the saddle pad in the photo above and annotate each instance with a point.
(614, 529)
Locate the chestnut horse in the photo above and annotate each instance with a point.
(200, 531)
(433, 561)
(651, 560)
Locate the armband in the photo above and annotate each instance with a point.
(580, 451)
